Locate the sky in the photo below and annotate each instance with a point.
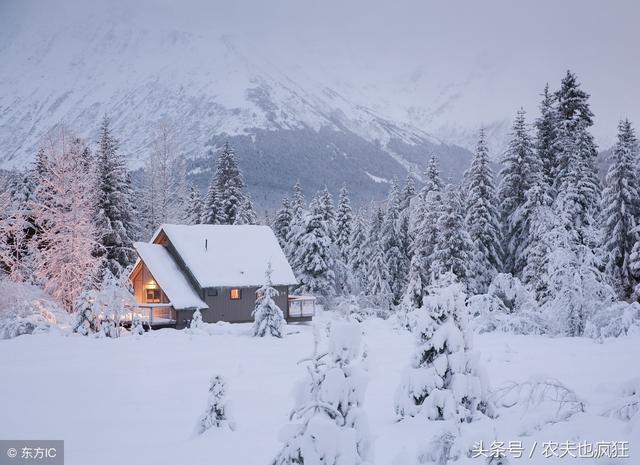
(445, 67)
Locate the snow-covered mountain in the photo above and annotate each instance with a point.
(324, 92)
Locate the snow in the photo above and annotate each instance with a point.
(235, 255)
(169, 276)
(151, 390)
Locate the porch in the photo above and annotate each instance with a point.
(301, 307)
(152, 315)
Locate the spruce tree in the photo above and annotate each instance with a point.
(453, 247)
(114, 205)
(282, 223)
(356, 254)
(482, 218)
(194, 206)
(328, 211)
(268, 317)
(209, 213)
(390, 243)
(520, 164)
(546, 137)
(621, 210)
(344, 221)
(297, 202)
(231, 198)
(408, 192)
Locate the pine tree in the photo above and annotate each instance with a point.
(282, 223)
(313, 258)
(209, 213)
(482, 218)
(328, 212)
(546, 136)
(16, 226)
(443, 381)
(246, 214)
(194, 206)
(268, 317)
(378, 278)
(453, 246)
(621, 210)
(432, 180)
(114, 203)
(408, 192)
(297, 202)
(356, 254)
(217, 412)
(344, 220)
(231, 198)
(390, 243)
(63, 209)
(517, 177)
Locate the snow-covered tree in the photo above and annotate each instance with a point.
(209, 214)
(137, 329)
(356, 254)
(246, 214)
(313, 259)
(520, 170)
(63, 210)
(444, 381)
(344, 220)
(546, 136)
(282, 223)
(378, 278)
(329, 425)
(217, 413)
(194, 206)
(482, 218)
(16, 226)
(297, 202)
(408, 192)
(325, 201)
(397, 265)
(114, 216)
(165, 192)
(453, 247)
(621, 210)
(268, 317)
(196, 320)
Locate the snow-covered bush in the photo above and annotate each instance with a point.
(329, 424)
(538, 401)
(444, 380)
(268, 317)
(86, 322)
(218, 412)
(511, 292)
(441, 449)
(627, 406)
(490, 314)
(26, 309)
(196, 320)
(136, 326)
(614, 320)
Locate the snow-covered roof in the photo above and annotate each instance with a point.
(235, 255)
(169, 276)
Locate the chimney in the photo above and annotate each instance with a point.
(205, 245)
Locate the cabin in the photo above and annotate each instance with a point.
(216, 269)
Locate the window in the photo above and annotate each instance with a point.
(234, 294)
(153, 296)
(212, 292)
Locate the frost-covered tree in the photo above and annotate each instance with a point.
(114, 216)
(246, 214)
(313, 259)
(443, 381)
(329, 425)
(63, 210)
(432, 179)
(482, 218)
(282, 223)
(408, 192)
(621, 210)
(389, 240)
(378, 278)
(16, 226)
(136, 326)
(325, 201)
(297, 202)
(165, 193)
(268, 317)
(453, 247)
(356, 254)
(344, 221)
(520, 164)
(194, 206)
(217, 413)
(209, 214)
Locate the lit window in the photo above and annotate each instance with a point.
(234, 294)
(153, 296)
(212, 292)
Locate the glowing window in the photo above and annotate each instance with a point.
(234, 294)
(153, 296)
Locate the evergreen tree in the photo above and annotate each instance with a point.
(217, 412)
(313, 258)
(297, 202)
(482, 218)
(344, 220)
(114, 201)
(246, 213)
(328, 211)
(444, 381)
(546, 136)
(453, 247)
(282, 223)
(621, 210)
(432, 180)
(408, 192)
(517, 176)
(356, 254)
(390, 243)
(231, 199)
(194, 206)
(209, 213)
(268, 317)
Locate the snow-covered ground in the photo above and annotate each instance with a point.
(136, 400)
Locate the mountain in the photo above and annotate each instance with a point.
(284, 128)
